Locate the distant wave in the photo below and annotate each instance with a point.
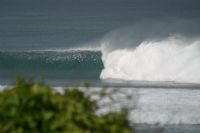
(75, 49)
(85, 48)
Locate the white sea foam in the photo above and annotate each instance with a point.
(148, 105)
(175, 58)
(74, 49)
(84, 48)
(152, 106)
(167, 106)
(2, 87)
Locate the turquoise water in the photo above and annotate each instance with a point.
(70, 65)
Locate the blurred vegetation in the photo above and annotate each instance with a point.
(29, 107)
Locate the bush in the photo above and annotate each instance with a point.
(29, 107)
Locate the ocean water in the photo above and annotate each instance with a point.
(154, 110)
(147, 53)
(52, 65)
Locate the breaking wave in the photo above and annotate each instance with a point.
(172, 57)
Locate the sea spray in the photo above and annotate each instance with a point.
(175, 58)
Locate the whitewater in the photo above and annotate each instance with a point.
(174, 58)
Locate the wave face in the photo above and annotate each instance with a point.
(171, 59)
(52, 64)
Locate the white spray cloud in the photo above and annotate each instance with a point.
(172, 59)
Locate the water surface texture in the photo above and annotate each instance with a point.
(151, 47)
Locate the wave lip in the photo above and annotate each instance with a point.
(171, 59)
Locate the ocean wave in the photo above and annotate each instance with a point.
(52, 64)
(173, 58)
(58, 50)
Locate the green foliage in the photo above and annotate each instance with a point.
(29, 107)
